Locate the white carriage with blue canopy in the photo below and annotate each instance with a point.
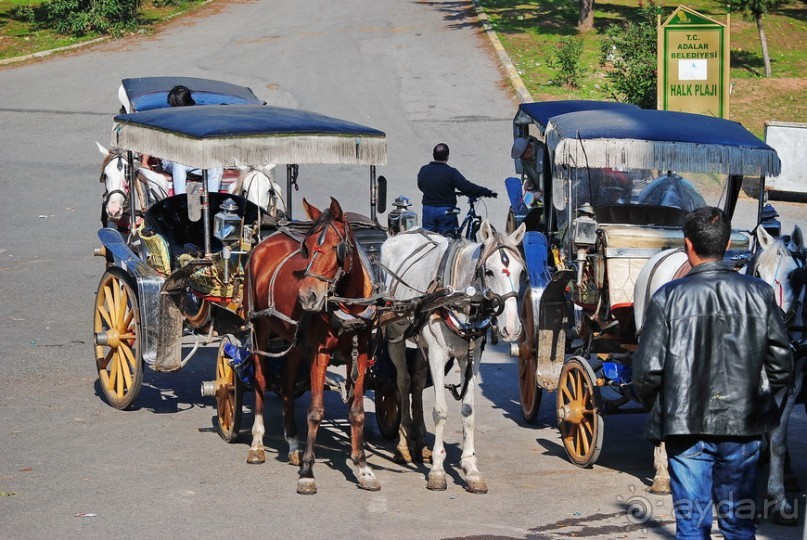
(616, 184)
(180, 270)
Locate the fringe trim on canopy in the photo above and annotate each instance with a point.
(662, 155)
(252, 149)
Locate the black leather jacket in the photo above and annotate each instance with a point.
(713, 350)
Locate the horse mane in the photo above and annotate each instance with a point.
(768, 258)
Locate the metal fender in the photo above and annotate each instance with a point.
(161, 324)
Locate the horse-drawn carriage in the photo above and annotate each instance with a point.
(617, 182)
(181, 269)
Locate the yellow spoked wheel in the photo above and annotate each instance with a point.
(579, 419)
(529, 391)
(117, 339)
(229, 395)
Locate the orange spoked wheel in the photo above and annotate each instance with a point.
(117, 339)
(579, 419)
(529, 391)
(229, 395)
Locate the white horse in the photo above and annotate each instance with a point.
(781, 264)
(257, 184)
(150, 188)
(431, 267)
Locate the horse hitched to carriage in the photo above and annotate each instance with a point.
(219, 268)
(604, 233)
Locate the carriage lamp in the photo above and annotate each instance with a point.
(401, 219)
(769, 222)
(584, 226)
(227, 223)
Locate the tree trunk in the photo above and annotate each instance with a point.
(586, 20)
(765, 56)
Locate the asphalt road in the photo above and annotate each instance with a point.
(72, 467)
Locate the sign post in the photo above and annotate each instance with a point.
(693, 64)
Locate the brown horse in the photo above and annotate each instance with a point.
(304, 301)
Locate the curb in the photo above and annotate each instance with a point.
(515, 79)
(42, 54)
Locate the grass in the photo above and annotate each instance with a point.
(22, 32)
(531, 32)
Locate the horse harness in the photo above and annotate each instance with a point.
(341, 320)
(489, 304)
(798, 281)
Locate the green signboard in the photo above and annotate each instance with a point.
(693, 64)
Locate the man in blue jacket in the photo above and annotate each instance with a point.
(712, 353)
(439, 183)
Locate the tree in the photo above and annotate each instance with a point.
(585, 21)
(758, 8)
(630, 52)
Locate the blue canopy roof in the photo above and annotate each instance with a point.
(147, 93)
(235, 135)
(540, 112)
(652, 139)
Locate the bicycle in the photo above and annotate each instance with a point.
(470, 224)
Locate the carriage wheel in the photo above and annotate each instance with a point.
(388, 410)
(229, 395)
(529, 391)
(117, 339)
(581, 425)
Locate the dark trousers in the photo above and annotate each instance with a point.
(717, 473)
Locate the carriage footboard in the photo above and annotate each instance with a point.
(553, 320)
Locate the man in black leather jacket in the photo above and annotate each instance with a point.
(713, 351)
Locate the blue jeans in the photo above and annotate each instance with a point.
(179, 175)
(719, 472)
(437, 219)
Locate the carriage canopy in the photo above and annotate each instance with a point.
(541, 111)
(244, 135)
(663, 140)
(147, 93)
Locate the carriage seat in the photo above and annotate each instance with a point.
(627, 248)
(168, 219)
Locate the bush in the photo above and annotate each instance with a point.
(566, 59)
(82, 17)
(629, 52)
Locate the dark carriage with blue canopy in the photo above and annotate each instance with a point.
(181, 269)
(617, 183)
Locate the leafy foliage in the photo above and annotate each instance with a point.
(629, 53)
(82, 17)
(566, 59)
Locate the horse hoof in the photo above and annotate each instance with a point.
(256, 456)
(295, 458)
(306, 486)
(476, 485)
(437, 482)
(402, 456)
(369, 483)
(660, 487)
